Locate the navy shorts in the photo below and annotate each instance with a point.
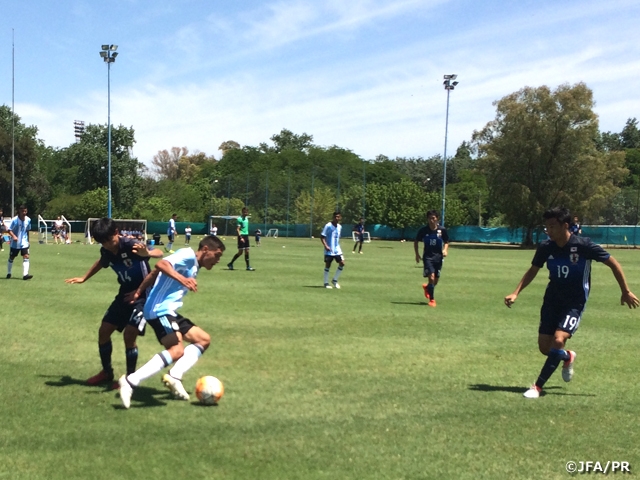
(432, 265)
(121, 313)
(170, 237)
(331, 258)
(244, 244)
(13, 252)
(359, 237)
(559, 317)
(168, 324)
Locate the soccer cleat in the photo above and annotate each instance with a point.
(102, 377)
(8, 275)
(360, 253)
(432, 302)
(335, 284)
(175, 386)
(533, 392)
(230, 266)
(326, 285)
(172, 251)
(567, 367)
(27, 277)
(251, 269)
(426, 292)
(126, 391)
(353, 251)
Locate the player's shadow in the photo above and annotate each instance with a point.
(145, 397)
(313, 286)
(66, 381)
(410, 303)
(483, 387)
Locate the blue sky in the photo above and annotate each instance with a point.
(361, 74)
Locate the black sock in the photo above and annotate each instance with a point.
(234, 258)
(553, 360)
(105, 356)
(246, 259)
(132, 359)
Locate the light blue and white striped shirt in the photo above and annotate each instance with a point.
(166, 295)
(20, 229)
(332, 237)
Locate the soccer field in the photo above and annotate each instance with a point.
(357, 383)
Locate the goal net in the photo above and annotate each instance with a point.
(365, 235)
(128, 227)
(273, 232)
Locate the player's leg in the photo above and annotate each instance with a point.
(199, 341)
(552, 337)
(13, 253)
(340, 262)
(360, 241)
(236, 256)
(25, 265)
(428, 272)
(105, 347)
(246, 257)
(328, 260)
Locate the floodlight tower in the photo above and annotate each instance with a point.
(109, 55)
(449, 84)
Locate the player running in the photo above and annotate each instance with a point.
(129, 259)
(568, 258)
(174, 276)
(330, 238)
(436, 247)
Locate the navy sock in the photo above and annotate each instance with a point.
(431, 289)
(553, 360)
(132, 359)
(562, 354)
(246, 260)
(105, 356)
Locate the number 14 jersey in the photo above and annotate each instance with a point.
(130, 268)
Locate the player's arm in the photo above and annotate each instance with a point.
(627, 295)
(95, 268)
(13, 235)
(165, 267)
(323, 239)
(416, 247)
(445, 249)
(141, 250)
(526, 280)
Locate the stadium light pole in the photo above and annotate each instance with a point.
(109, 55)
(449, 84)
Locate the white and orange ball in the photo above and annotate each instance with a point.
(209, 390)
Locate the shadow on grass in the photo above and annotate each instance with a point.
(313, 286)
(410, 303)
(483, 387)
(150, 396)
(489, 246)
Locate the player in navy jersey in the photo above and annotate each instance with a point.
(568, 258)
(436, 246)
(575, 226)
(359, 229)
(129, 259)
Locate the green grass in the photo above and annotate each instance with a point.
(362, 382)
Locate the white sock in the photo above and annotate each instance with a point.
(326, 276)
(191, 355)
(338, 272)
(25, 267)
(149, 369)
(9, 266)
(169, 246)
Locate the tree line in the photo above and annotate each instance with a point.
(543, 148)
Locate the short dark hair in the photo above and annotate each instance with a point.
(212, 242)
(103, 229)
(22, 206)
(337, 212)
(561, 214)
(433, 212)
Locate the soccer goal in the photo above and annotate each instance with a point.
(45, 228)
(128, 227)
(365, 235)
(273, 232)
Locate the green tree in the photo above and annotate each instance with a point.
(539, 152)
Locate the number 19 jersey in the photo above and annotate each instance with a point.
(569, 269)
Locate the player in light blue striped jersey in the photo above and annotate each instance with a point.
(19, 232)
(174, 276)
(330, 237)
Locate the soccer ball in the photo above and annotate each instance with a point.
(209, 390)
